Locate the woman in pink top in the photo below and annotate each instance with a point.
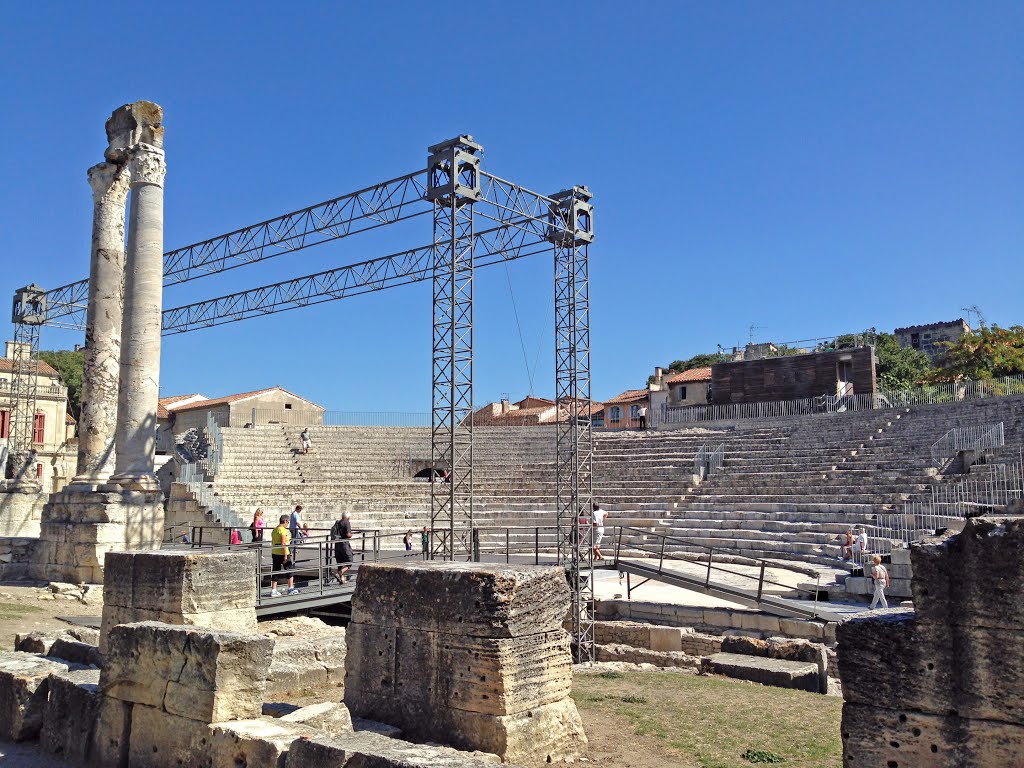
(256, 526)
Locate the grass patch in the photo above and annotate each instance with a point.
(714, 722)
(16, 610)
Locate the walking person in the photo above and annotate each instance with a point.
(304, 439)
(256, 526)
(341, 532)
(880, 578)
(425, 542)
(298, 529)
(280, 557)
(598, 515)
(408, 543)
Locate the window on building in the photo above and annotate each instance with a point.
(682, 393)
(634, 411)
(39, 470)
(39, 430)
(615, 413)
(5, 424)
(287, 406)
(915, 340)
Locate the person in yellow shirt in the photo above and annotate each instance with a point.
(280, 556)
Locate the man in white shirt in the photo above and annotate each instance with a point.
(642, 415)
(860, 541)
(598, 515)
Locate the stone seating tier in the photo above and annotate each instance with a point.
(786, 489)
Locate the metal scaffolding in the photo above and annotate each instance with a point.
(453, 186)
(571, 232)
(28, 315)
(478, 220)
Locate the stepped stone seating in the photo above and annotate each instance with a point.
(788, 486)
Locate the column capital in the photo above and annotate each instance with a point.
(146, 165)
(109, 181)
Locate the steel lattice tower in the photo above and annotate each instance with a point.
(27, 314)
(571, 231)
(453, 186)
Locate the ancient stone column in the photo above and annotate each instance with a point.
(98, 421)
(143, 304)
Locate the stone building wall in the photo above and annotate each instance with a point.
(942, 685)
(792, 377)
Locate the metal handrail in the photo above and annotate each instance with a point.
(710, 550)
(981, 437)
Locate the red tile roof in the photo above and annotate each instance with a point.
(629, 396)
(7, 366)
(694, 374)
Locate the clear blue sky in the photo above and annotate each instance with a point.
(807, 168)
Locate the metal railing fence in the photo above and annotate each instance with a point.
(311, 417)
(978, 438)
(842, 403)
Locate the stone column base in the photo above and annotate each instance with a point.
(78, 529)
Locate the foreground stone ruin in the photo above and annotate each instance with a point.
(467, 654)
(461, 654)
(943, 684)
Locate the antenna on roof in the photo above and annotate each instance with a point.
(973, 310)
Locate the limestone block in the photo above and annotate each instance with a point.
(631, 655)
(260, 742)
(978, 573)
(113, 729)
(759, 622)
(900, 557)
(72, 706)
(331, 717)
(302, 663)
(666, 639)
(472, 598)
(632, 633)
(371, 750)
(811, 630)
(976, 672)
(182, 582)
(548, 734)
(42, 642)
(75, 652)
(405, 675)
(24, 684)
(782, 674)
(874, 736)
(204, 675)
(162, 740)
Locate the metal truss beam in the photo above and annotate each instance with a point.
(492, 247)
(574, 459)
(520, 219)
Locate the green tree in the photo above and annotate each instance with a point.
(69, 365)
(987, 353)
(899, 367)
(702, 360)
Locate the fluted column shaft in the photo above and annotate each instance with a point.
(143, 304)
(98, 418)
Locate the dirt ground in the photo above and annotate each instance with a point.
(26, 609)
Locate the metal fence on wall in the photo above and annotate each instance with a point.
(310, 417)
(824, 404)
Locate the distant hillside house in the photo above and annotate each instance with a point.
(689, 387)
(274, 405)
(929, 338)
(530, 411)
(53, 430)
(623, 411)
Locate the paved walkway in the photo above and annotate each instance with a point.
(27, 756)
